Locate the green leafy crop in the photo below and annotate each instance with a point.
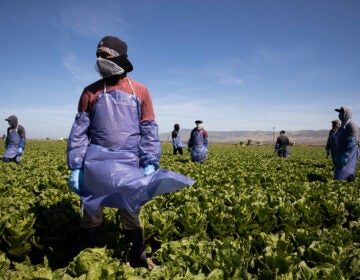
(250, 215)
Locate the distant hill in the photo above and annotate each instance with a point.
(300, 137)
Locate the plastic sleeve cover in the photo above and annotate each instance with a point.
(327, 147)
(150, 146)
(190, 143)
(78, 141)
(191, 140)
(206, 143)
(176, 142)
(22, 143)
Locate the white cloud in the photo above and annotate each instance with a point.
(91, 18)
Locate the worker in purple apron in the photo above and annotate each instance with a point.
(198, 143)
(15, 141)
(114, 151)
(347, 150)
(176, 140)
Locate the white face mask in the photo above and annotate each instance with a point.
(107, 68)
(199, 126)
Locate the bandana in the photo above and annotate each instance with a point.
(107, 68)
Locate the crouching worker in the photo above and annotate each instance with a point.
(114, 151)
(15, 141)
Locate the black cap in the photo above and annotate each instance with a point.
(114, 43)
(120, 47)
(10, 118)
(341, 109)
(198, 121)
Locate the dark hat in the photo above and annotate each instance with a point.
(120, 47)
(198, 121)
(341, 109)
(114, 43)
(10, 118)
(282, 132)
(13, 121)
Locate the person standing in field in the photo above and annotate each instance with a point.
(114, 150)
(331, 141)
(281, 145)
(347, 150)
(176, 140)
(15, 141)
(198, 144)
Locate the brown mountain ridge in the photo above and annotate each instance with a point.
(299, 137)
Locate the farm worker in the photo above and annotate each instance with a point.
(198, 143)
(281, 145)
(176, 141)
(114, 150)
(347, 150)
(15, 140)
(331, 141)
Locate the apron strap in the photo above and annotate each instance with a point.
(132, 88)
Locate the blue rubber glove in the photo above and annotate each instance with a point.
(20, 151)
(343, 160)
(76, 180)
(149, 169)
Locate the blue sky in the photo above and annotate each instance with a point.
(235, 64)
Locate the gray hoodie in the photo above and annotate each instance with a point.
(345, 115)
(13, 122)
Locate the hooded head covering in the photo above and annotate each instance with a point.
(13, 121)
(345, 114)
(119, 49)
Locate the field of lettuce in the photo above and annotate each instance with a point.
(250, 215)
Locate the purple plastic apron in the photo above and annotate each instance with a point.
(342, 172)
(198, 151)
(12, 144)
(112, 176)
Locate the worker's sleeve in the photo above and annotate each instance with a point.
(206, 142)
(190, 142)
(78, 141)
(150, 146)
(22, 137)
